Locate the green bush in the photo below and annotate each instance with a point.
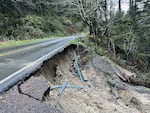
(33, 20)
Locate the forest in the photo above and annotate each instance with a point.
(124, 32)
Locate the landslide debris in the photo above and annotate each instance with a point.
(103, 92)
(29, 100)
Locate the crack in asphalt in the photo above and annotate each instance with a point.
(15, 60)
(26, 94)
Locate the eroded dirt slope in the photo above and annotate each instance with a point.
(103, 91)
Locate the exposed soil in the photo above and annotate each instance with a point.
(103, 92)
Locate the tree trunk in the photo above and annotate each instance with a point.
(91, 31)
(119, 3)
(131, 5)
(106, 19)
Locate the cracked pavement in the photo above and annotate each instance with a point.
(12, 60)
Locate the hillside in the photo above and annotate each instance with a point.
(30, 19)
(105, 70)
(103, 91)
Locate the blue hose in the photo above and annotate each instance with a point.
(68, 86)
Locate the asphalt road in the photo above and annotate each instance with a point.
(16, 58)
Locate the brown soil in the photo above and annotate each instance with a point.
(103, 91)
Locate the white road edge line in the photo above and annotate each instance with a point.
(21, 74)
(32, 64)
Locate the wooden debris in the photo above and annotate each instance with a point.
(124, 74)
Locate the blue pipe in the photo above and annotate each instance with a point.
(68, 86)
(77, 67)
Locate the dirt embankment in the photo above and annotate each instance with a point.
(102, 92)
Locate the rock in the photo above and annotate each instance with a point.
(28, 102)
(35, 87)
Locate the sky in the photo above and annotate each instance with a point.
(124, 5)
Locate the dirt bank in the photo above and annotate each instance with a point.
(102, 92)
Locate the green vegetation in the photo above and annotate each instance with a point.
(33, 26)
(11, 43)
(122, 35)
(100, 50)
(28, 19)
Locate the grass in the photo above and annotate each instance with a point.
(77, 40)
(12, 43)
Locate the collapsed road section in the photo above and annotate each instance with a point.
(57, 87)
(19, 63)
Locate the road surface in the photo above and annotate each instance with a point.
(16, 58)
